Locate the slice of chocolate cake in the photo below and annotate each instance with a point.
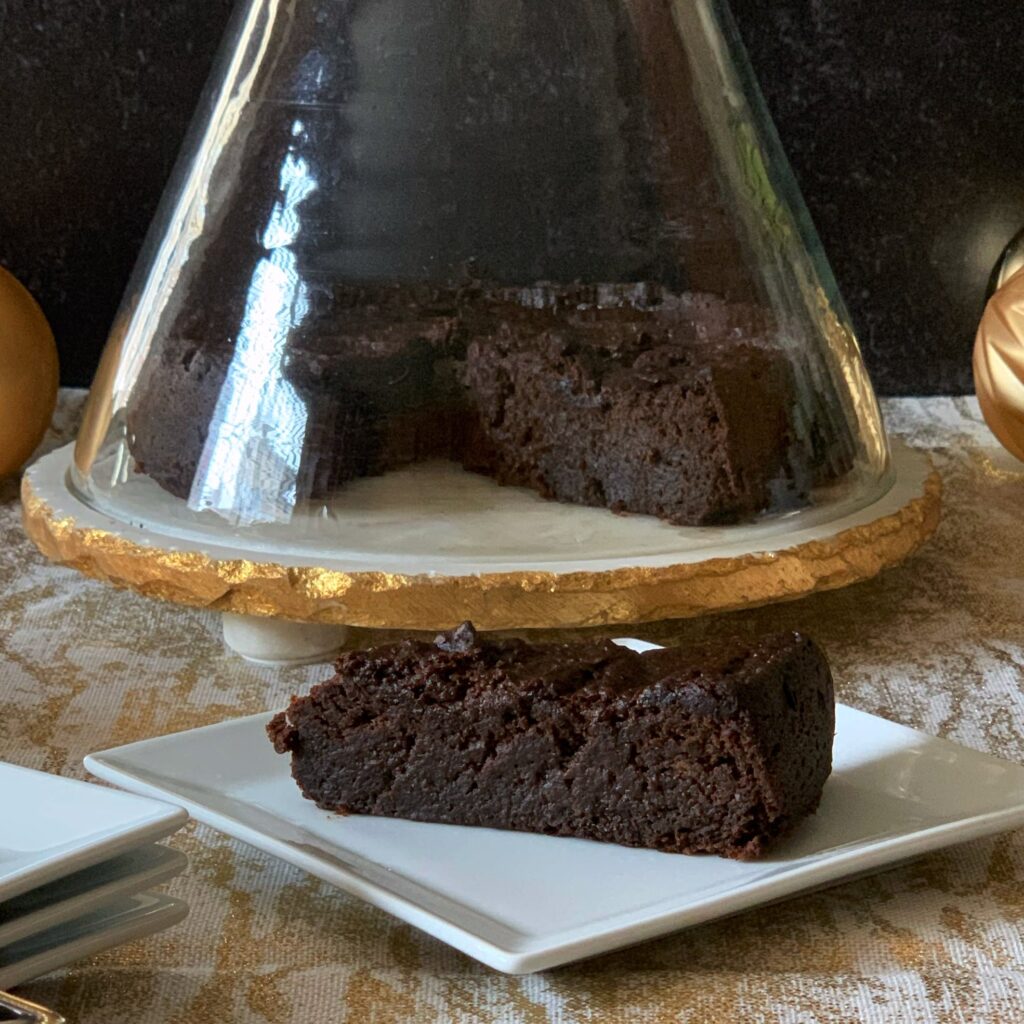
(717, 748)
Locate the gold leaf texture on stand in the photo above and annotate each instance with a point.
(507, 600)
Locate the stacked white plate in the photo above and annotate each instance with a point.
(77, 863)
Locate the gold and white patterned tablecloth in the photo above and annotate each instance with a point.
(937, 644)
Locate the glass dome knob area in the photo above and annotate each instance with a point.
(439, 259)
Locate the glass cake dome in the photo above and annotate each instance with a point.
(420, 257)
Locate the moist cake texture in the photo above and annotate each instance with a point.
(530, 261)
(625, 398)
(718, 748)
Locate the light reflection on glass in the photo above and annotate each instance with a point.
(249, 468)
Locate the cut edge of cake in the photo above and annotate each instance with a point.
(715, 748)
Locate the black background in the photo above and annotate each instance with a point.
(904, 123)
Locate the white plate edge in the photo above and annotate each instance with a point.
(63, 911)
(569, 945)
(398, 906)
(166, 822)
(165, 913)
(871, 859)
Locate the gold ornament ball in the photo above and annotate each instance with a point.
(29, 374)
(999, 364)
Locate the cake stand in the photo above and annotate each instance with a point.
(428, 547)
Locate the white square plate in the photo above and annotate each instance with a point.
(87, 890)
(51, 826)
(521, 902)
(118, 922)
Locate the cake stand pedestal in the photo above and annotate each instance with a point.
(267, 641)
(431, 546)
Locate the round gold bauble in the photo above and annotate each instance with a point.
(999, 364)
(29, 374)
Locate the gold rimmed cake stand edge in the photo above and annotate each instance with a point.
(67, 533)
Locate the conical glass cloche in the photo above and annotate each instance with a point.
(430, 254)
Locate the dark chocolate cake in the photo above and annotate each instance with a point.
(678, 407)
(365, 167)
(637, 412)
(718, 748)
